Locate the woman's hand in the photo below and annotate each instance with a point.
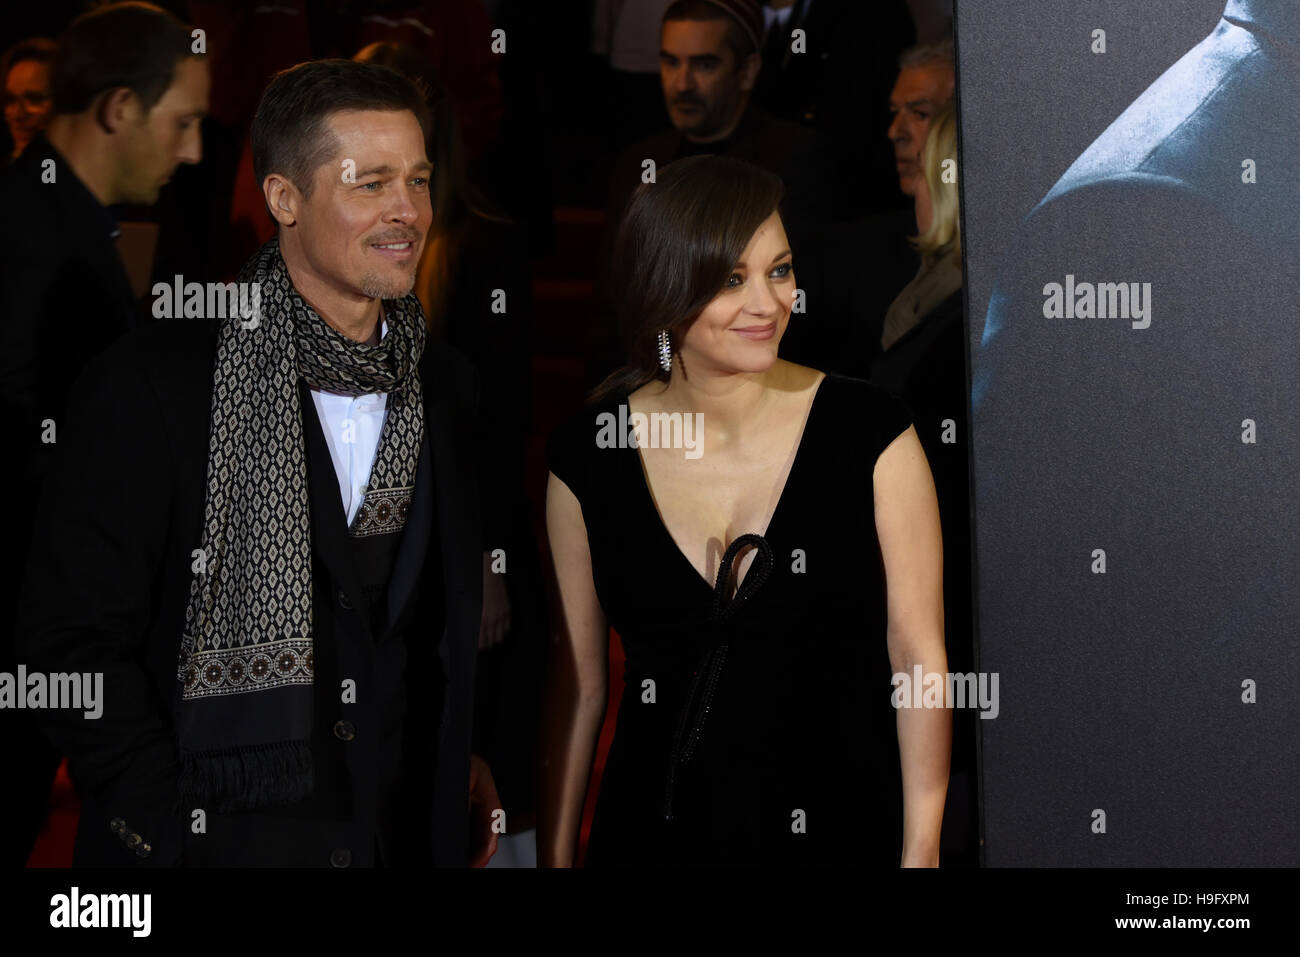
(484, 803)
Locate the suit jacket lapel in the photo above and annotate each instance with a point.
(451, 478)
(412, 549)
(461, 552)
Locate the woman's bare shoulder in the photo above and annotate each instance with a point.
(797, 378)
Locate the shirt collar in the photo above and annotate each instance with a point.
(776, 16)
(1278, 17)
(70, 187)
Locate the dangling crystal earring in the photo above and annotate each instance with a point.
(665, 352)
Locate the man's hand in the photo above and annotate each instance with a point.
(495, 623)
(483, 801)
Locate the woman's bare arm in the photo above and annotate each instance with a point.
(907, 525)
(577, 688)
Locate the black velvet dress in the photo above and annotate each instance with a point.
(754, 730)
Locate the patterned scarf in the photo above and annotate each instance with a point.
(244, 715)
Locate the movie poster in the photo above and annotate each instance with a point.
(1133, 261)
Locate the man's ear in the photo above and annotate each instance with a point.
(116, 109)
(282, 199)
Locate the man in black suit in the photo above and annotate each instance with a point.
(128, 93)
(263, 530)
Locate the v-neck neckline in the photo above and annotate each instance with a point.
(649, 497)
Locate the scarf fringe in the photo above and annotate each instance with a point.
(240, 779)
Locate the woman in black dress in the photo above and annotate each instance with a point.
(741, 549)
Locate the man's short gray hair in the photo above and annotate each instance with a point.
(928, 54)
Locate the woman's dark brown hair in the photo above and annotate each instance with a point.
(680, 239)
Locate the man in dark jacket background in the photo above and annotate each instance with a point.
(128, 96)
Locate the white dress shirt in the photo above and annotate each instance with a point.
(779, 17)
(352, 425)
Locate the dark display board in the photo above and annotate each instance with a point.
(1131, 199)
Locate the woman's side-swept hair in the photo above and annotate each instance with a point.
(945, 204)
(680, 238)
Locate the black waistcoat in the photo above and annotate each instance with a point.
(386, 748)
(373, 757)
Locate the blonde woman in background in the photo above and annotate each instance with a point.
(935, 288)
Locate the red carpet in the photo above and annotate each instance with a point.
(54, 844)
